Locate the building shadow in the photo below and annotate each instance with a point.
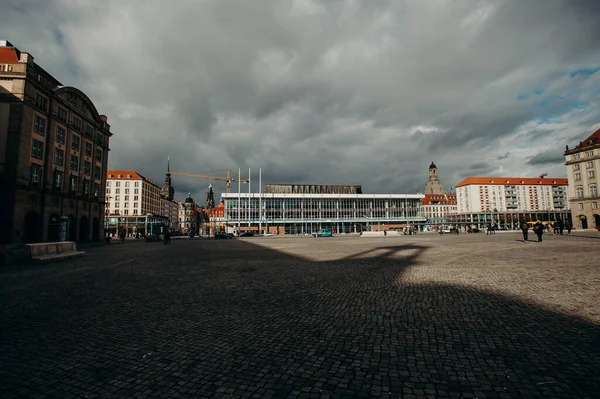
(243, 319)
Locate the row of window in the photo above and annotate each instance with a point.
(35, 180)
(580, 206)
(593, 191)
(37, 151)
(591, 175)
(118, 190)
(39, 126)
(125, 205)
(118, 184)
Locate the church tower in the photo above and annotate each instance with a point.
(168, 191)
(210, 197)
(434, 185)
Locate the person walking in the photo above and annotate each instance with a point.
(561, 226)
(569, 226)
(538, 229)
(525, 229)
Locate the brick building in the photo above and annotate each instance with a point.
(53, 155)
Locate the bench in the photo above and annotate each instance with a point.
(44, 252)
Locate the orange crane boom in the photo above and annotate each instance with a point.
(227, 178)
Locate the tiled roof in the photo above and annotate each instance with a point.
(513, 181)
(124, 173)
(444, 199)
(8, 54)
(593, 139)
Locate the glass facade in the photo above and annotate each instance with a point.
(307, 212)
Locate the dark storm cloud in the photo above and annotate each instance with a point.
(547, 157)
(340, 92)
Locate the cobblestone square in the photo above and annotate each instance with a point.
(426, 316)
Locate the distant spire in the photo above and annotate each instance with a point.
(168, 165)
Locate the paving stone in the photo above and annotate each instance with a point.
(409, 316)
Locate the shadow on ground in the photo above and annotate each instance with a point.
(244, 320)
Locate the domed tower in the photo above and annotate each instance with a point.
(434, 185)
(210, 197)
(168, 191)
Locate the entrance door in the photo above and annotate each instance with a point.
(32, 227)
(584, 223)
(597, 220)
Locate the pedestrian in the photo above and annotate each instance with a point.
(555, 227)
(538, 229)
(561, 226)
(569, 226)
(525, 229)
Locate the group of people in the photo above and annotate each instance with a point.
(538, 229)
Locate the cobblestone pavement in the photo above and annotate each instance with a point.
(424, 316)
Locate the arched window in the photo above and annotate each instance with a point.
(579, 192)
(593, 191)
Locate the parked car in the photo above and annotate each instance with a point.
(247, 234)
(323, 233)
(446, 230)
(230, 235)
(222, 236)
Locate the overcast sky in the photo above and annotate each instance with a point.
(326, 92)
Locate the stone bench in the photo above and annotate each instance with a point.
(44, 252)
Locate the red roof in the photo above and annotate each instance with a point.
(439, 199)
(513, 181)
(593, 139)
(133, 175)
(8, 54)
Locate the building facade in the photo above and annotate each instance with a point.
(282, 213)
(189, 216)
(434, 184)
(134, 202)
(583, 166)
(53, 155)
(506, 200)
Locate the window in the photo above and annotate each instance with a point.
(108, 191)
(127, 198)
(576, 167)
(108, 183)
(96, 189)
(135, 198)
(89, 131)
(60, 135)
(35, 176)
(73, 184)
(76, 123)
(594, 205)
(88, 149)
(118, 184)
(59, 157)
(579, 192)
(589, 153)
(98, 155)
(37, 149)
(58, 180)
(117, 197)
(575, 156)
(75, 143)
(39, 124)
(591, 174)
(117, 191)
(590, 164)
(126, 191)
(580, 206)
(126, 184)
(117, 205)
(126, 205)
(593, 191)
(577, 176)
(74, 163)
(61, 114)
(99, 138)
(126, 211)
(87, 167)
(135, 204)
(136, 184)
(41, 102)
(97, 171)
(86, 187)
(136, 190)
(135, 212)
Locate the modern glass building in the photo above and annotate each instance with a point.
(282, 213)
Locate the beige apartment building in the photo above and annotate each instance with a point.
(583, 166)
(53, 155)
(134, 201)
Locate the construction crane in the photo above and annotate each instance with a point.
(227, 178)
